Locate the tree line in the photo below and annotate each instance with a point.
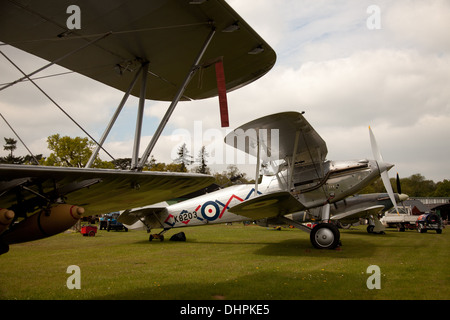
(414, 186)
(75, 152)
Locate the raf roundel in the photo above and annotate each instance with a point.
(210, 211)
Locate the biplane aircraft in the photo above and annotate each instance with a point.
(298, 185)
(164, 45)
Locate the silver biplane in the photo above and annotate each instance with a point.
(298, 185)
(178, 50)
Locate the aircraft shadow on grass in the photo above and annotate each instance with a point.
(290, 247)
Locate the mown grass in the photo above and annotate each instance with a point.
(228, 262)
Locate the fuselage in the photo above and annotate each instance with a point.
(312, 185)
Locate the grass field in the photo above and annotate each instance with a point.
(228, 262)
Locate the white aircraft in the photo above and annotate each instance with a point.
(298, 184)
(162, 44)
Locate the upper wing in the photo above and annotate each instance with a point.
(26, 188)
(268, 205)
(277, 135)
(166, 33)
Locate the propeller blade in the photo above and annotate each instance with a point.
(383, 167)
(401, 196)
(399, 187)
(375, 150)
(388, 187)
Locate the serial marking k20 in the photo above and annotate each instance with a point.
(297, 179)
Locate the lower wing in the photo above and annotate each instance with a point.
(268, 205)
(48, 200)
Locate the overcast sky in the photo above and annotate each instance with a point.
(333, 61)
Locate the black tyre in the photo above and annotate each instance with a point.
(325, 236)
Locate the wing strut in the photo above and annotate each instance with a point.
(257, 163)
(140, 116)
(113, 119)
(292, 164)
(174, 103)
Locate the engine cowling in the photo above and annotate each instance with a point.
(44, 224)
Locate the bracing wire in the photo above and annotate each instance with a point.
(12, 129)
(56, 104)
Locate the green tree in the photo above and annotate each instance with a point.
(122, 163)
(184, 159)
(10, 146)
(414, 186)
(231, 176)
(417, 186)
(442, 189)
(201, 159)
(72, 152)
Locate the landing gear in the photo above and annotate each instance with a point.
(158, 236)
(325, 236)
(375, 226)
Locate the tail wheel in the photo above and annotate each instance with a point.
(156, 237)
(325, 236)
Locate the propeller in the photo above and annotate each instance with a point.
(399, 186)
(401, 196)
(384, 168)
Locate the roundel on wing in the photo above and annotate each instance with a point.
(210, 210)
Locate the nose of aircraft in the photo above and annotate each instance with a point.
(388, 165)
(384, 166)
(403, 197)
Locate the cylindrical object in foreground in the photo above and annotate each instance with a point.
(44, 224)
(6, 217)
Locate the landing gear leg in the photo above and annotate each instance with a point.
(159, 236)
(325, 236)
(375, 226)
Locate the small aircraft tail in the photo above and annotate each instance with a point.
(133, 218)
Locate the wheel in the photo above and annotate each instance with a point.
(421, 229)
(370, 228)
(156, 236)
(91, 233)
(438, 231)
(325, 236)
